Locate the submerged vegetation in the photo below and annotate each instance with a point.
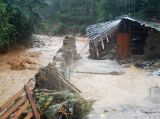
(56, 98)
(61, 105)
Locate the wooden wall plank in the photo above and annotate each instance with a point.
(10, 101)
(34, 109)
(21, 110)
(30, 115)
(12, 109)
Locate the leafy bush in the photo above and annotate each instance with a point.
(58, 28)
(67, 16)
(7, 29)
(17, 20)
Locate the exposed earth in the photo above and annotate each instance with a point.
(118, 92)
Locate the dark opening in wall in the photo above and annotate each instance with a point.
(138, 43)
(137, 35)
(138, 39)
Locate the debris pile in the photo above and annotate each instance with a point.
(50, 78)
(56, 98)
(151, 65)
(144, 64)
(61, 105)
(110, 54)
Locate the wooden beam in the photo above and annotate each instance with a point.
(12, 109)
(10, 101)
(29, 116)
(34, 109)
(21, 110)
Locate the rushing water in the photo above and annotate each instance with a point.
(116, 96)
(42, 52)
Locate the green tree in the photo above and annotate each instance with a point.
(17, 20)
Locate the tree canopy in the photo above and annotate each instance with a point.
(17, 20)
(63, 16)
(20, 18)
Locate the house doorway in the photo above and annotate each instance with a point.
(123, 45)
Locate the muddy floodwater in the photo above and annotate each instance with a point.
(32, 59)
(116, 92)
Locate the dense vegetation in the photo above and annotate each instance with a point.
(20, 18)
(63, 16)
(17, 20)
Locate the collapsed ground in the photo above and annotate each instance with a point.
(117, 91)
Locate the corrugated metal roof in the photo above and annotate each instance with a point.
(96, 30)
(153, 25)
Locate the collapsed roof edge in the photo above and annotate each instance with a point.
(96, 30)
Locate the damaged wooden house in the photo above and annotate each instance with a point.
(123, 38)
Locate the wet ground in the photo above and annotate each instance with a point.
(117, 92)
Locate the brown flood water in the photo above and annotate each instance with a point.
(110, 93)
(32, 59)
(115, 96)
(43, 50)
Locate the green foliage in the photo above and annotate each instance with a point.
(42, 27)
(57, 28)
(74, 15)
(151, 10)
(17, 20)
(7, 29)
(71, 104)
(20, 18)
(65, 16)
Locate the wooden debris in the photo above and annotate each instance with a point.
(29, 95)
(19, 103)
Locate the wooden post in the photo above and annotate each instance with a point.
(34, 109)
